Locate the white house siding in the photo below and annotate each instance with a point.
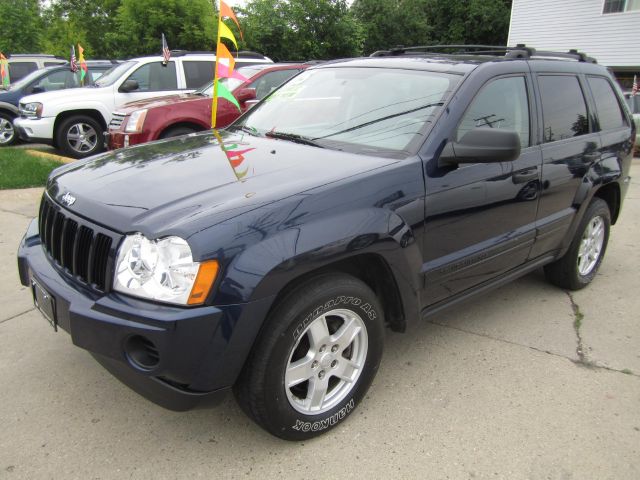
(559, 25)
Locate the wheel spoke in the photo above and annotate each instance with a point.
(317, 392)
(298, 372)
(347, 333)
(346, 370)
(318, 332)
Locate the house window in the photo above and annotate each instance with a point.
(616, 6)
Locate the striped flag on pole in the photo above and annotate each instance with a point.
(166, 53)
(634, 88)
(73, 63)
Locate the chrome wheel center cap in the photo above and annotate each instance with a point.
(326, 359)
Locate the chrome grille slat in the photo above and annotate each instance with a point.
(116, 120)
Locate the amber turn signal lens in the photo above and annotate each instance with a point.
(204, 281)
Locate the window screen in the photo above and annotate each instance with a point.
(155, 77)
(563, 107)
(610, 115)
(198, 74)
(503, 103)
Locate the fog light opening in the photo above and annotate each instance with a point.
(141, 352)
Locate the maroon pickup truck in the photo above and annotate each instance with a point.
(163, 117)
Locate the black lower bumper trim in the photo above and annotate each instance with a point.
(160, 392)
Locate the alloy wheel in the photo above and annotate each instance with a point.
(591, 245)
(6, 131)
(82, 137)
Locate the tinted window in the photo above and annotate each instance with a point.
(17, 70)
(58, 80)
(154, 77)
(503, 103)
(52, 64)
(563, 107)
(269, 81)
(197, 74)
(607, 107)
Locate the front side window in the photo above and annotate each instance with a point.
(269, 81)
(617, 6)
(361, 110)
(563, 107)
(610, 115)
(155, 77)
(503, 103)
(58, 81)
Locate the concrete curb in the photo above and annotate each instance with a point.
(50, 156)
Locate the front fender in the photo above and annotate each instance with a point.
(9, 107)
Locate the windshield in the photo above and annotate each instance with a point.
(113, 74)
(29, 78)
(362, 110)
(230, 83)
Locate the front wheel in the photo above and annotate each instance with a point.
(80, 136)
(7, 132)
(320, 351)
(578, 267)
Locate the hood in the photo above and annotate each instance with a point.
(64, 95)
(159, 102)
(180, 186)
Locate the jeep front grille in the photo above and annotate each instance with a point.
(116, 120)
(76, 246)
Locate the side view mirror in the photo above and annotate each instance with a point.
(482, 145)
(129, 86)
(245, 94)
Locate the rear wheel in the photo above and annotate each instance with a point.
(80, 136)
(320, 350)
(578, 267)
(7, 132)
(176, 132)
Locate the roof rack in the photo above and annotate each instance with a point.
(38, 55)
(519, 51)
(241, 53)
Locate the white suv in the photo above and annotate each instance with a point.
(75, 120)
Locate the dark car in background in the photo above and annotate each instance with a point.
(163, 117)
(47, 79)
(22, 64)
(362, 194)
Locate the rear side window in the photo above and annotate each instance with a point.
(155, 77)
(269, 81)
(610, 115)
(198, 74)
(503, 103)
(17, 70)
(563, 107)
(52, 64)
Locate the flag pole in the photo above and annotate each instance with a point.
(214, 108)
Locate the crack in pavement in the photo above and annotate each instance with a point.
(577, 323)
(590, 365)
(17, 315)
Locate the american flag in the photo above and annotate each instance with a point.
(72, 61)
(166, 53)
(634, 88)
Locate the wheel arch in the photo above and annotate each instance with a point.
(610, 193)
(183, 123)
(61, 117)
(9, 109)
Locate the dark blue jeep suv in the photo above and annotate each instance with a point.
(362, 194)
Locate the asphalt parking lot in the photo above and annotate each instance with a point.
(527, 382)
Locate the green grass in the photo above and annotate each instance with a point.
(21, 170)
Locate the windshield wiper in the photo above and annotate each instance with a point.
(366, 124)
(293, 137)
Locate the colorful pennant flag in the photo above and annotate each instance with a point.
(224, 69)
(4, 71)
(83, 64)
(73, 63)
(234, 156)
(166, 53)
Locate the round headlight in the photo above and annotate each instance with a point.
(161, 270)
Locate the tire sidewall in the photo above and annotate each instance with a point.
(285, 420)
(63, 132)
(10, 119)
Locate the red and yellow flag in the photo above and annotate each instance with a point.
(4, 71)
(83, 64)
(224, 69)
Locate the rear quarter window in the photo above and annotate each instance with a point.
(17, 70)
(197, 74)
(564, 109)
(610, 115)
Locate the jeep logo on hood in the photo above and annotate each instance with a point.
(68, 199)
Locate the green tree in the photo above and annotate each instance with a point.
(301, 29)
(20, 26)
(187, 25)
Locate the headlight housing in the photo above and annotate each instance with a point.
(31, 110)
(136, 121)
(162, 270)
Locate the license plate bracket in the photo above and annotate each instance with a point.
(44, 302)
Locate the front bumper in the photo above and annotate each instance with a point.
(35, 129)
(200, 350)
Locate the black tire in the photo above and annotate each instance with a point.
(8, 134)
(261, 390)
(566, 272)
(80, 136)
(176, 132)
